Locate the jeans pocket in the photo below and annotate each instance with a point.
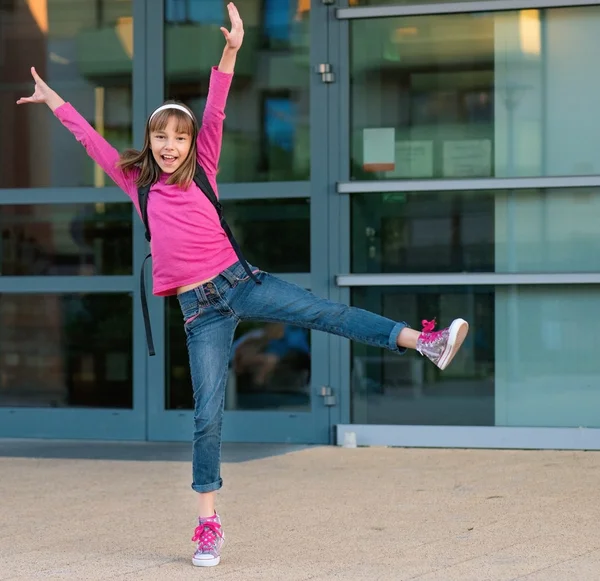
(190, 311)
(191, 318)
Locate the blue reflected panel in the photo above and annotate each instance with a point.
(201, 11)
(277, 20)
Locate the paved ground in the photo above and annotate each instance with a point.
(85, 511)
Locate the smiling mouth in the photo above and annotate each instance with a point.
(168, 158)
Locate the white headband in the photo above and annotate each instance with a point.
(170, 106)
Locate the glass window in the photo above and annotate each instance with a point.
(529, 359)
(83, 49)
(66, 350)
(269, 366)
(554, 230)
(266, 136)
(66, 239)
(496, 94)
(274, 235)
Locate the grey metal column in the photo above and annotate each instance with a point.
(339, 206)
(140, 375)
(322, 218)
(153, 97)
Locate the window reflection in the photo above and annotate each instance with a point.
(269, 366)
(388, 389)
(67, 350)
(266, 134)
(256, 224)
(552, 230)
(66, 239)
(474, 95)
(529, 360)
(83, 49)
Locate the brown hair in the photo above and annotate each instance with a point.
(144, 160)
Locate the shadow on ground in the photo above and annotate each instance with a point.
(136, 451)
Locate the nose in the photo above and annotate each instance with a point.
(169, 144)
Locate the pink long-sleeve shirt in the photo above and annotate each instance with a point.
(188, 243)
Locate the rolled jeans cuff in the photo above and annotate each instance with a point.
(393, 340)
(208, 487)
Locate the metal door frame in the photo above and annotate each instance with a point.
(311, 427)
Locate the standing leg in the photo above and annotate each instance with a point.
(209, 335)
(280, 301)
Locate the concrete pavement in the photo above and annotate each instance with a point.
(118, 511)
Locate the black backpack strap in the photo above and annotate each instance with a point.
(202, 182)
(149, 339)
(143, 201)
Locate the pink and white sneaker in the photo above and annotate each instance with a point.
(441, 346)
(210, 538)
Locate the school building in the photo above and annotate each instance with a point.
(415, 158)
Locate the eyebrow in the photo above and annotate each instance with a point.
(177, 132)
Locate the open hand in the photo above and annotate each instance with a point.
(41, 93)
(234, 37)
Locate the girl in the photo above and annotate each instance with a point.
(194, 259)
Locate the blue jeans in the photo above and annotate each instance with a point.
(211, 313)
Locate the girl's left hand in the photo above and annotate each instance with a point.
(234, 37)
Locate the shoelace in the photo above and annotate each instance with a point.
(428, 334)
(428, 326)
(206, 535)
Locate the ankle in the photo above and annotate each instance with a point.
(408, 338)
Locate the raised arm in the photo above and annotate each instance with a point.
(104, 154)
(210, 136)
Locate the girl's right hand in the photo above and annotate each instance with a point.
(42, 93)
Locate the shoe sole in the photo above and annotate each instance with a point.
(456, 335)
(209, 562)
(206, 562)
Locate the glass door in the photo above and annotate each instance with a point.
(69, 362)
(272, 180)
(466, 188)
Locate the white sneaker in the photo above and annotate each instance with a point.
(441, 346)
(210, 539)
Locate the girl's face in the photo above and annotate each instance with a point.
(170, 145)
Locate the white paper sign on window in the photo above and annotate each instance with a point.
(379, 149)
(468, 158)
(414, 159)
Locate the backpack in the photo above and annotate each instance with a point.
(201, 180)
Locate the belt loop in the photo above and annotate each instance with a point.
(200, 294)
(229, 277)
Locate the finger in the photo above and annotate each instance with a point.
(36, 77)
(24, 100)
(225, 33)
(234, 15)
